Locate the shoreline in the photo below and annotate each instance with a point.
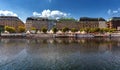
(42, 35)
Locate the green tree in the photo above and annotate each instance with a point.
(97, 30)
(44, 30)
(10, 29)
(112, 30)
(21, 29)
(74, 30)
(86, 30)
(33, 28)
(65, 29)
(82, 29)
(54, 30)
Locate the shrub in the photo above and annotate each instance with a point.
(32, 28)
(74, 30)
(10, 29)
(21, 29)
(65, 29)
(44, 30)
(54, 30)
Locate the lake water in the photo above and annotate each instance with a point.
(60, 54)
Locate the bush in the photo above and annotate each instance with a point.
(44, 30)
(54, 30)
(74, 30)
(65, 29)
(10, 29)
(21, 29)
(32, 28)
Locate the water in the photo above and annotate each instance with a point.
(60, 54)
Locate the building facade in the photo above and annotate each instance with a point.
(39, 22)
(69, 24)
(11, 21)
(86, 22)
(114, 22)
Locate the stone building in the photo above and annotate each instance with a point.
(11, 21)
(86, 22)
(68, 24)
(39, 23)
(114, 22)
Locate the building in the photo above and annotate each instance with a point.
(69, 24)
(11, 21)
(86, 22)
(39, 22)
(114, 22)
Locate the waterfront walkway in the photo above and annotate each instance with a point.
(50, 35)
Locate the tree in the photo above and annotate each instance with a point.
(44, 30)
(54, 30)
(74, 30)
(65, 29)
(10, 29)
(21, 29)
(82, 29)
(112, 30)
(86, 30)
(33, 28)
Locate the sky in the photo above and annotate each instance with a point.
(56, 9)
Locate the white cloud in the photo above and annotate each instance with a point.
(114, 12)
(7, 13)
(55, 14)
(37, 14)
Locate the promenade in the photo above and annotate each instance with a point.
(51, 35)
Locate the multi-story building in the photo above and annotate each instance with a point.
(114, 22)
(86, 22)
(11, 21)
(39, 23)
(69, 24)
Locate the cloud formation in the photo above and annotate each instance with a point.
(55, 14)
(7, 13)
(114, 12)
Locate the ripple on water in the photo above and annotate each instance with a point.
(56, 59)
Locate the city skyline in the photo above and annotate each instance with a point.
(60, 8)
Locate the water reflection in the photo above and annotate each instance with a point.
(60, 54)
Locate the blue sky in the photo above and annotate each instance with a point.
(60, 8)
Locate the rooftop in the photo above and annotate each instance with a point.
(36, 18)
(114, 18)
(91, 19)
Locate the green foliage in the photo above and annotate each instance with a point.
(65, 29)
(74, 30)
(33, 28)
(10, 29)
(82, 29)
(97, 30)
(54, 30)
(44, 30)
(21, 29)
(112, 30)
